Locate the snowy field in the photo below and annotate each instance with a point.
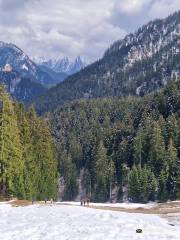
(121, 205)
(58, 222)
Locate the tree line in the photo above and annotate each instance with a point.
(131, 145)
(28, 161)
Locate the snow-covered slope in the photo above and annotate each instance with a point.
(39, 222)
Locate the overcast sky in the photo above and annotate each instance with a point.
(55, 28)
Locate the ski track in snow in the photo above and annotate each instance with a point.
(58, 222)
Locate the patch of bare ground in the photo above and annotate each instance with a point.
(20, 203)
(25, 203)
(161, 208)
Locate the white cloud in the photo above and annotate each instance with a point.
(131, 6)
(60, 27)
(162, 8)
(74, 27)
(131, 14)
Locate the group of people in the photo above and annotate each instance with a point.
(46, 201)
(85, 201)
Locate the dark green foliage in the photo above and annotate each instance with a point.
(173, 168)
(101, 168)
(68, 169)
(157, 149)
(11, 161)
(27, 154)
(142, 185)
(162, 181)
(125, 132)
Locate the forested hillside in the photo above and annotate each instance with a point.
(22, 89)
(28, 163)
(136, 65)
(126, 145)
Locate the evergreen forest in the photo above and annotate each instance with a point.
(121, 148)
(28, 160)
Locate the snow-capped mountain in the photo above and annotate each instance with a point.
(23, 78)
(17, 59)
(64, 65)
(136, 65)
(13, 56)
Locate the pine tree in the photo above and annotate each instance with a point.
(172, 161)
(138, 147)
(32, 169)
(152, 186)
(46, 161)
(157, 149)
(144, 137)
(162, 185)
(27, 151)
(12, 166)
(75, 149)
(111, 177)
(40, 160)
(173, 129)
(142, 184)
(87, 184)
(101, 190)
(120, 156)
(134, 188)
(70, 178)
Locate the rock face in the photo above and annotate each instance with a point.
(136, 65)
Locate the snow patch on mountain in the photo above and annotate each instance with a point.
(65, 65)
(25, 67)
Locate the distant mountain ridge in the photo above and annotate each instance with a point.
(20, 62)
(64, 65)
(16, 66)
(22, 77)
(136, 65)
